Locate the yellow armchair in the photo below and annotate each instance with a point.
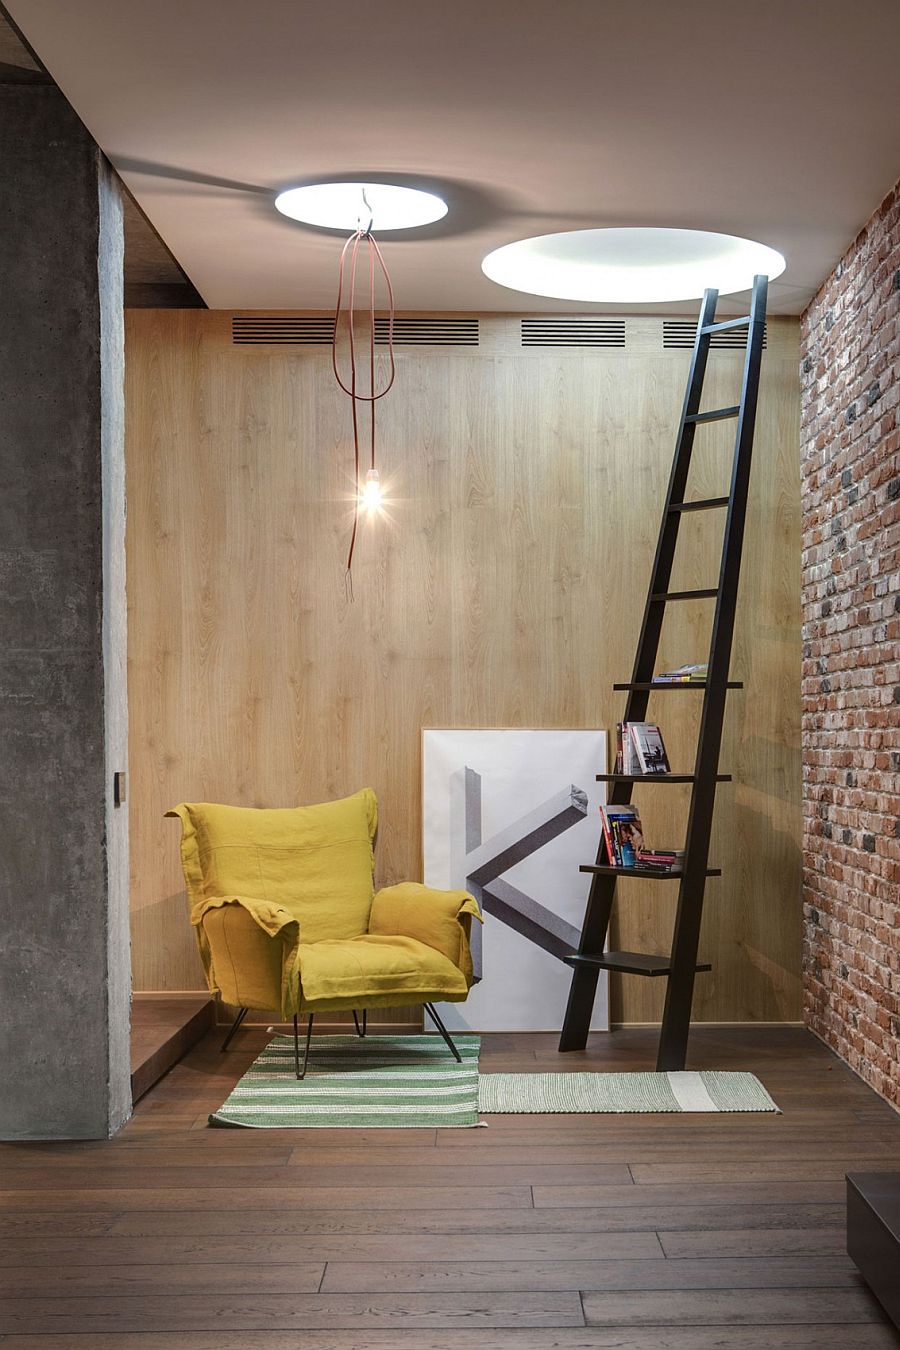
(286, 917)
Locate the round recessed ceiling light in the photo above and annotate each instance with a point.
(350, 206)
(631, 266)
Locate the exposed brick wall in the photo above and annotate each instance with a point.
(850, 446)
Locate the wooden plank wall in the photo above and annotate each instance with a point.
(504, 589)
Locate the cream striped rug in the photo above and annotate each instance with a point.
(620, 1093)
(385, 1081)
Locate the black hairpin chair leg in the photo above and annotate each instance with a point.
(360, 1033)
(432, 1013)
(242, 1013)
(301, 1072)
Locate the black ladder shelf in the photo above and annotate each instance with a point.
(680, 966)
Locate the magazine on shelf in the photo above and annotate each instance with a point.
(649, 748)
(623, 834)
(626, 758)
(688, 674)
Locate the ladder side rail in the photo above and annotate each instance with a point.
(601, 894)
(686, 938)
(583, 987)
(651, 626)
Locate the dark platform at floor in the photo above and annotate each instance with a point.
(162, 1032)
(667, 1232)
(873, 1234)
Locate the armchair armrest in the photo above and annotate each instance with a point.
(249, 948)
(440, 919)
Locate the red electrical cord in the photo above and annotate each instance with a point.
(353, 246)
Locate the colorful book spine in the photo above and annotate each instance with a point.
(608, 838)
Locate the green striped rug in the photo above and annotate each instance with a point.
(622, 1093)
(393, 1081)
(407, 1081)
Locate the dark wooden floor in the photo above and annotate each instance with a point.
(670, 1232)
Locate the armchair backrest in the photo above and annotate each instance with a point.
(315, 861)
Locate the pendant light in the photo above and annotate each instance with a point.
(392, 207)
(367, 493)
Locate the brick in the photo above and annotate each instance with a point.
(850, 564)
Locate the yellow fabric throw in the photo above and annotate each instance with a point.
(241, 969)
(314, 861)
(283, 906)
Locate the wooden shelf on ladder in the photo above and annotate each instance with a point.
(680, 966)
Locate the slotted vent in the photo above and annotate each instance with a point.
(425, 332)
(582, 331)
(318, 330)
(282, 329)
(681, 333)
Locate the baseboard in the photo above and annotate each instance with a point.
(323, 1028)
(698, 1026)
(384, 1020)
(162, 994)
(397, 1020)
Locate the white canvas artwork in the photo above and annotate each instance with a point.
(509, 815)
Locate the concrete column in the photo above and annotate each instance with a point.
(64, 946)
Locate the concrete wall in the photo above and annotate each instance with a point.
(64, 982)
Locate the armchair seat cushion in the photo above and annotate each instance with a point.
(375, 971)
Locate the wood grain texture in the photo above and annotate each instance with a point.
(866, 1336)
(374, 1276)
(293, 1312)
(504, 590)
(266, 1254)
(693, 1307)
(750, 1212)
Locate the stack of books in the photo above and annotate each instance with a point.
(623, 839)
(695, 674)
(661, 859)
(640, 749)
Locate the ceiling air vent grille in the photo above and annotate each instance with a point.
(426, 332)
(682, 332)
(318, 330)
(586, 331)
(282, 330)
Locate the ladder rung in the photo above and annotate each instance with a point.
(661, 596)
(714, 415)
(676, 684)
(656, 777)
(656, 873)
(743, 322)
(700, 504)
(629, 963)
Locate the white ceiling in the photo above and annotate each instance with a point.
(774, 119)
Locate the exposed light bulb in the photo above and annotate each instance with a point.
(371, 496)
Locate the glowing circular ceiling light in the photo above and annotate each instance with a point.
(347, 206)
(631, 266)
